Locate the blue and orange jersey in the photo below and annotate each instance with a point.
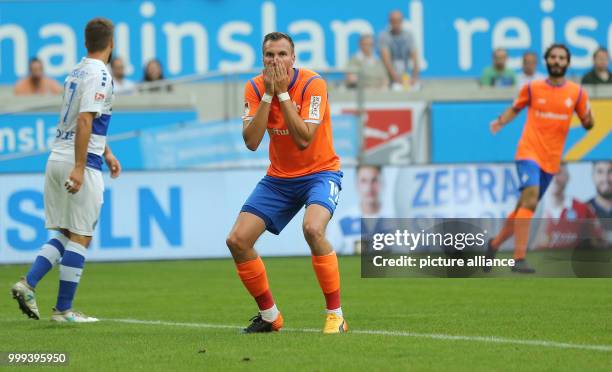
(308, 93)
(550, 111)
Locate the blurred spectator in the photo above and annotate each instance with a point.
(37, 82)
(397, 50)
(153, 72)
(600, 73)
(529, 73)
(498, 75)
(370, 68)
(121, 85)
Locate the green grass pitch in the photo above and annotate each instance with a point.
(416, 324)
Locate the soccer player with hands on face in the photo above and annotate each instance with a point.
(291, 105)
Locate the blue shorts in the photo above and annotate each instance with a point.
(530, 174)
(277, 200)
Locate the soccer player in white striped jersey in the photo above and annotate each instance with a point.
(73, 179)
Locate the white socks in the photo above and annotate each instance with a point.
(269, 315)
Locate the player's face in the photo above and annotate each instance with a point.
(279, 52)
(557, 62)
(602, 178)
(368, 184)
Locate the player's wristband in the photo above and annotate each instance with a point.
(282, 97)
(266, 98)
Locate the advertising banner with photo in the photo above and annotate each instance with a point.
(581, 190)
(394, 133)
(188, 214)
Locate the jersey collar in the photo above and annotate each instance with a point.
(93, 60)
(296, 71)
(555, 86)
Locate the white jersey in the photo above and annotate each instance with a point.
(88, 88)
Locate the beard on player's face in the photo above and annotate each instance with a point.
(556, 70)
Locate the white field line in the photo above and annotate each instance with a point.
(437, 336)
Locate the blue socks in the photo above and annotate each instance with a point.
(50, 254)
(70, 269)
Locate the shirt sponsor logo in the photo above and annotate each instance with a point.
(315, 105)
(551, 115)
(99, 97)
(278, 132)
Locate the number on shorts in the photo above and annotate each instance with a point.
(334, 191)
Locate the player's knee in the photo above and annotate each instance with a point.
(235, 242)
(313, 231)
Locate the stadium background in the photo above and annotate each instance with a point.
(186, 170)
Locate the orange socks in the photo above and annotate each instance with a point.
(253, 276)
(328, 275)
(522, 221)
(506, 231)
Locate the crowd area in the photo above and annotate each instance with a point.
(387, 61)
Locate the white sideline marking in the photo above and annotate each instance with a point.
(437, 336)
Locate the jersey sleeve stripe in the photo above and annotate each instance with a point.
(255, 88)
(308, 83)
(579, 96)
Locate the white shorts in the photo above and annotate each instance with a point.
(78, 212)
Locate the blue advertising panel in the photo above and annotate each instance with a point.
(26, 138)
(455, 38)
(180, 144)
(150, 215)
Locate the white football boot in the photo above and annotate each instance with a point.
(71, 316)
(24, 295)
